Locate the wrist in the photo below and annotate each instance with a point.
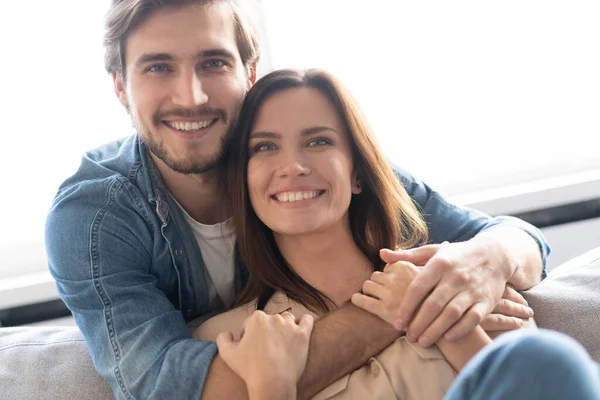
(495, 241)
(274, 388)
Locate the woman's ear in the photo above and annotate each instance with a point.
(356, 185)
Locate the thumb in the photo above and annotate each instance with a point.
(226, 344)
(418, 256)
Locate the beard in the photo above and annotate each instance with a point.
(184, 166)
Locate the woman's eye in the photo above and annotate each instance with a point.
(263, 147)
(319, 142)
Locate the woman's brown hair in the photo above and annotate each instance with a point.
(381, 216)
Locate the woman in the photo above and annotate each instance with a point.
(313, 201)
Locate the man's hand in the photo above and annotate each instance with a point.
(459, 285)
(509, 313)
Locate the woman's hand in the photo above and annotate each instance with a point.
(383, 293)
(271, 353)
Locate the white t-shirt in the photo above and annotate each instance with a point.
(216, 244)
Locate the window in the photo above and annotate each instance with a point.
(58, 102)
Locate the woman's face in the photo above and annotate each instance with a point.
(300, 171)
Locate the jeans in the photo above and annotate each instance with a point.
(529, 365)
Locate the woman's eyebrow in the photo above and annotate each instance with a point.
(264, 135)
(305, 132)
(317, 129)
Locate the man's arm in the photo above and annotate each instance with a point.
(452, 223)
(463, 281)
(341, 342)
(520, 253)
(101, 253)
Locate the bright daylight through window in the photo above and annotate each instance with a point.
(466, 94)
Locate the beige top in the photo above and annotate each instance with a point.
(403, 370)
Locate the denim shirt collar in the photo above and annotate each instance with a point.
(193, 299)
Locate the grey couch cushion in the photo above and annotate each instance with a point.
(568, 300)
(48, 363)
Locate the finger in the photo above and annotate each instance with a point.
(373, 289)
(473, 317)
(499, 322)
(369, 304)
(511, 294)
(379, 277)
(224, 339)
(418, 256)
(288, 316)
(430, 310)
(397, 266)
(512, 309)
(306, 323)
(453, 311)
(416, 292)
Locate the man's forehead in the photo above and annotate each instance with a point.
(183, 32)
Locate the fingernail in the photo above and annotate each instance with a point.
(411, 337)
(425, 341)
(530, 311)
(450, 337)
(400, 324)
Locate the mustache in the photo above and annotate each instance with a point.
(190, 113)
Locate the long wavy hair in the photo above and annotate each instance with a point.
(382, 216)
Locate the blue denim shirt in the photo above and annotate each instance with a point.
(127, 265)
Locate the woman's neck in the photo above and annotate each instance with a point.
(330, 261)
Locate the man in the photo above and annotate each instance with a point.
(139, 240)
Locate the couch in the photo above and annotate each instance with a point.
(53, 362)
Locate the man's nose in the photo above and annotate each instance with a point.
(189, 91)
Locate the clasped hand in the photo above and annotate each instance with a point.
(442, 290)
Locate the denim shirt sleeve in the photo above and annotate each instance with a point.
(100, 252)
(448, 222)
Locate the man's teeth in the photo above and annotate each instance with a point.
(190, 126)
(296, 196)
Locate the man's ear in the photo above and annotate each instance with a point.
(251, 75)
(120, 89)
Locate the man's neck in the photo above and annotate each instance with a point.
(200, 195)
(329, 261)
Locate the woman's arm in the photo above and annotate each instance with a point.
(383, 294)
(271, 354)
(458, 353)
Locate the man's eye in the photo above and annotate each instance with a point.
(214, 64)
(318, 142)
(158, 68)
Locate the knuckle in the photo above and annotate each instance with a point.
(454, 311)
(476, 315)
(460, 278)
(444, 262)
(434, 306)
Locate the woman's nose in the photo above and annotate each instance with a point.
(293, 164)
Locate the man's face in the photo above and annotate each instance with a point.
(184, 83)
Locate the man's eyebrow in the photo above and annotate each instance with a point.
(153, 57)
(216, 53)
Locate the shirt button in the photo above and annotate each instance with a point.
(178, 252)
